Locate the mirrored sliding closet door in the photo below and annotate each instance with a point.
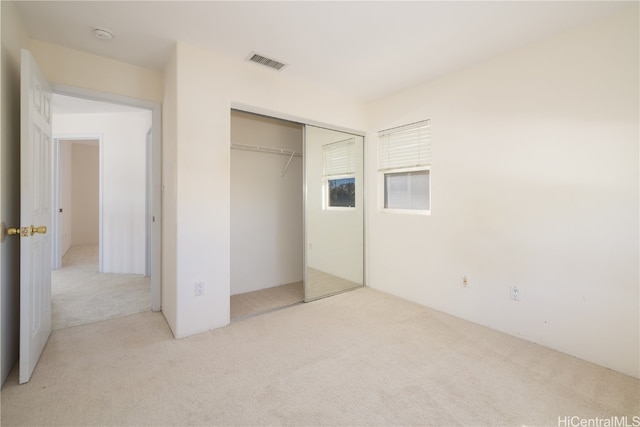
(334, 212)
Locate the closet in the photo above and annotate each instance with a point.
(297, 221)
(267, 214)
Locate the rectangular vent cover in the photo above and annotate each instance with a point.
(267, 62)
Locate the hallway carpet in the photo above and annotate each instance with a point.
(80, 295)
(357, 358)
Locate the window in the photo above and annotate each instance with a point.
(404, 165)
(407, 190)
(339, 174)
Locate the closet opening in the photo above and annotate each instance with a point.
(267, 214)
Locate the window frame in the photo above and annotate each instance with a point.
(327, 197)
(382, 190)
(347, 171)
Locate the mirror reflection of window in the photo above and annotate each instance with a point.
(342, 193)
(339, 173)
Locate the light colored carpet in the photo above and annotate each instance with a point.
(321, 284)
(80, 295)
(265, 300)
(358, 358)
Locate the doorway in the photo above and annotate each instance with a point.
(106, 188)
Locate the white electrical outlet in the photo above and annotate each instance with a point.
(514, 293)
(199, 288)
(465, 281)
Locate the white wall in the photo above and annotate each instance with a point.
(85, 187)
(14, 38)
(72, 67)
(534, 184)
(205, 87)
(266, 208)
(123, 150)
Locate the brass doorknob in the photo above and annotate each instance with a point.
(41, 230)
(26, 231)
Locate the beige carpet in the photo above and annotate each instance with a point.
(358, 358)
(321, 284)
(80, 295)
(265, 300)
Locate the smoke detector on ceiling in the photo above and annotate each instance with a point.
(102, 33)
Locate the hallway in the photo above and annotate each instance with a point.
(81, 295)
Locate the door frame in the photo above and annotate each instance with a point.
(56, 254)
(154, 200)
(292, 118)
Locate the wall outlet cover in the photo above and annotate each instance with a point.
(514, 293)
(199, 288)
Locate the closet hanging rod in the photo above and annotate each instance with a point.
(271, 150)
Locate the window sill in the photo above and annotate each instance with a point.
(406, 211)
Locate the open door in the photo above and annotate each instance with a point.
(35, 215)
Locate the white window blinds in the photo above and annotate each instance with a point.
(405, 147)
(339, 158)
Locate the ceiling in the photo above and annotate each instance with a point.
(361, 48)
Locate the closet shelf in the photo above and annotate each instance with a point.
(270, 150)
(290, 153)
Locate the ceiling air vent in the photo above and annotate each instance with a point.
(267, 62)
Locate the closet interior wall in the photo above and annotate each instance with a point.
(267, 231)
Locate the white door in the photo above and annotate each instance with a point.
(35, 215)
